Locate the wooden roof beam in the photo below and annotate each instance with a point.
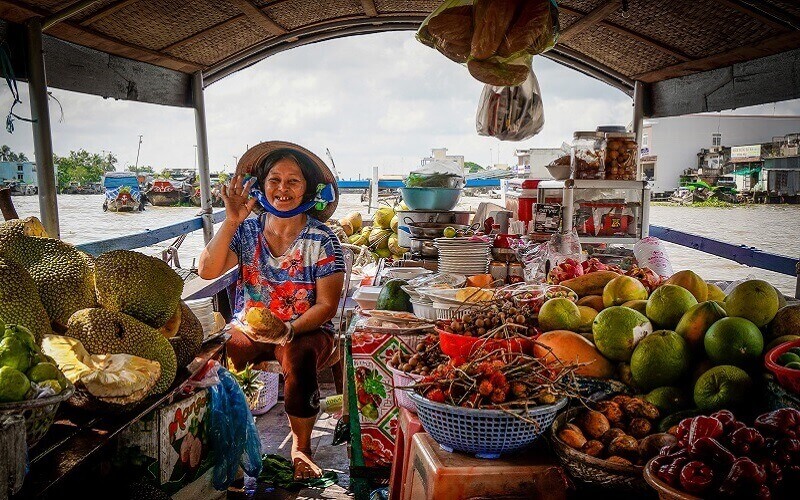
(369, 8)
(106, 11)
(259, 17)
(655, 44)
(66, 13)
(755, 13)
(590, 19)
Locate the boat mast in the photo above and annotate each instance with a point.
(136, 165)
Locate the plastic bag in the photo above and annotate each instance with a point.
(554, 261)
(511, 113)
(496, 39)
(437, 174)
(232, 432)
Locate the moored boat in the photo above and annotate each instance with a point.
(164, 193)
(122, 192)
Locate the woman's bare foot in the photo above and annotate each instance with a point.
(304, 467)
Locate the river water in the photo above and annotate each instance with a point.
(772, 228)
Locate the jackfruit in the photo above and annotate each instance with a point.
(138, 285)
(19, 300)
(108, 332)
(170, 328)
(63, 274)
(30, 226)
(112, 378)
(189, 338)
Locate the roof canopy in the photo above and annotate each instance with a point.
(695, 55)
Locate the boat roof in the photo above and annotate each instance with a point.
(692, 55)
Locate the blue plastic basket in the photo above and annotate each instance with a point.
(484, 433)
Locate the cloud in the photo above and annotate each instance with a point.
(374, 100)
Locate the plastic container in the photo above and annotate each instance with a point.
(403, 379)
(460, 346)
(588, 155)
(367, 296)
(788, 378)
(621, 155)
(430, 198)
(449, 311)
(484, 433)
(423, 309)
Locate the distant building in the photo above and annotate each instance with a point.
(670, 146)
(19, 171)
(441, 155)
(531, 162)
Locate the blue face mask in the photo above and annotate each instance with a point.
(325, 194)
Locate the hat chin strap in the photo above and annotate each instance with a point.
(325, 195)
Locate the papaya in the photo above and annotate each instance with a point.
(697, 320)
(570, 347)
(593, 301)
(590, 284)
(692, 282)
(394, 298)
(480, 280)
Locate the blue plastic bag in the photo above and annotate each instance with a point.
(232, 432)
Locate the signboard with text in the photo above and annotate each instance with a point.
(746, 151)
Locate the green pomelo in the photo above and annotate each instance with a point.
(667, 305)
(559, 314)
(754, 300)
(722, 387)
(637, 305)
(733, 341)
(15, 354)
(13, 384)
(587, 318)
(43, 371)
(623, 289)
(617, 330)
(697, 320)
(660, 359)
(794, 365)
(788, 357)
(667, 399)
(785, 322)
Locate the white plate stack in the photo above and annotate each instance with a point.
(204, 310)
(463, 256)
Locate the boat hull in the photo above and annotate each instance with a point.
(165, 199)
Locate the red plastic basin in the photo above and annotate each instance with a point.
(788, 378)
(459, 347)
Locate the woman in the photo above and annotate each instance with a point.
(289, 262)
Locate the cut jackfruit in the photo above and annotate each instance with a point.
(19, 300)
(189, 337)
(138, 285)
(109, 332)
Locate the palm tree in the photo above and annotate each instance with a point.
(5, 153)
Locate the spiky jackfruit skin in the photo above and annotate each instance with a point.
(63, 275)
(30, 226)
(138, 285)
(109, 332)
(19, 300)
(189, 338)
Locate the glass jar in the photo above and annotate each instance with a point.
(588, 150)
(621, 154)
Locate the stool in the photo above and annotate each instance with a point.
(435, 473)
(407, 425)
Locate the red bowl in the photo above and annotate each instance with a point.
(459, 347)
(788, 378)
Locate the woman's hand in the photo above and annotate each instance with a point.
(235, 195)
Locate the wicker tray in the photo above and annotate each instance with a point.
(38, 413)
(594, 471)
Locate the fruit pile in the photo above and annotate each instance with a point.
(620, 430)
(25, 372)
(487, 320)
(427, 357)
(721, 457)
(381, 237)
(498, 378)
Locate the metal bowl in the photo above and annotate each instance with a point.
(424, 247)
(559, 172)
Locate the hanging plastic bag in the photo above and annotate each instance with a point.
(496, 39)
(436, 174)
(511, 113)
(232, 432)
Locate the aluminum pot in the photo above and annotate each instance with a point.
(430, 229)
(439, 216)
(423, 247)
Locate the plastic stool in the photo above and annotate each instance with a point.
(408, 425)
(434, 473)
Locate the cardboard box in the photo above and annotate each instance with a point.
(172, 442)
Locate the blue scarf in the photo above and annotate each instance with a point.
(325, 194)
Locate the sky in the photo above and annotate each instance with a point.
(380, 100)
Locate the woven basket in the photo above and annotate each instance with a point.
(404, 379)
(594, 471)
(777, 397)
(266, 397)
(665, 491)
(597, 389)
(38, 413)
(484, 433)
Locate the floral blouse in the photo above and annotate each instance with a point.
(285, 284)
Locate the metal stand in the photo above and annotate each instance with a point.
(202, 151)
(42, 140)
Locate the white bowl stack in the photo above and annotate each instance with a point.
(204, 310)
(463, 256)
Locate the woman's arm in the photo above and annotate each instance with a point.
(329, 289)
(217, 257)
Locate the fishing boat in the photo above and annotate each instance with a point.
(122, 193)
(164, 193)
(216, 198)
(20, 188)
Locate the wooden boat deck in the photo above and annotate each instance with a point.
(275, 438)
